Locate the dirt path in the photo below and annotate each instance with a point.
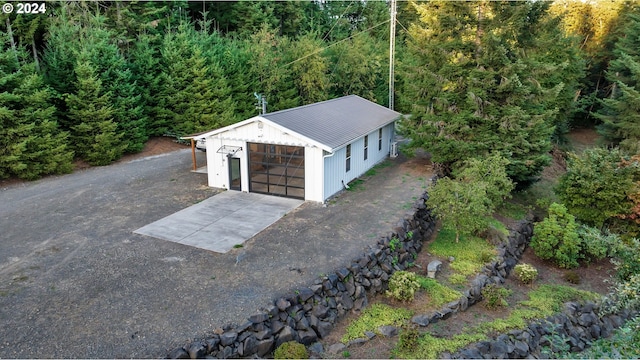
(75, 282)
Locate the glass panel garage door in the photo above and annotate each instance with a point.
(276, 170)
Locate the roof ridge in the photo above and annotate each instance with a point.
(310, 105)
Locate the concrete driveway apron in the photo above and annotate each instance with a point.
(222, 221)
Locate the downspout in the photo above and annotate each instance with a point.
(323, 159)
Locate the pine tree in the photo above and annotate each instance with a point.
(620, 113)
(94, 135)
(31, 145)
(309, 69)
(473, 88)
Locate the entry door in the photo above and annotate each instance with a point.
(235, 182)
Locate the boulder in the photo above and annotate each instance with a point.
(434, 268)
(388, 330)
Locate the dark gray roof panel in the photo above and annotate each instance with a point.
(336, 122)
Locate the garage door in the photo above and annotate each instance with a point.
(276, 170)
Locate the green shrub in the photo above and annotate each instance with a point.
(495, 296)
(408, 339)
(572, 277)
(291, 350)
(526, 273)
(627, 260)
(626, 294)
(403, 285)
(597, 244)
(556, 238)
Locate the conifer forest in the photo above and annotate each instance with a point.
(94, 80)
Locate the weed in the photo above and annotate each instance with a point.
(495, 296)
(291, 350)
(372, 318)
(526, 273)
(356, 185)
(394, 244)
(410, 235)
(403, 285)
(408, 339)
(346, 354)
(238, 246)
(458, 279)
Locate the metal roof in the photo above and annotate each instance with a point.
(336, 122)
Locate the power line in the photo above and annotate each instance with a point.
(336, 43)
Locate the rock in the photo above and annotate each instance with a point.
(307, 337)
(433, 268)
(323, 329)
(264, 347)
(471, 353)
(197, 350)
(347, 302)
(587, 319)
(446, 313)
(258, 318)
(464, 303)
(276, 326)
(342, 273)
(261, 335)
(285, 335)
(421, 320)
(282, 304)
(388, 330)
(521, 349)
(228, 338)
(357, 342)
(305, 294)
(595, 331)
(316, 348)
(178, 353)
(370, 334)
(498, 350)
(360, 304)
(212, 344)
(336, 348)
(320, 311)
(452, 259)
(250, 346)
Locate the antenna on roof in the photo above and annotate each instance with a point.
(392, 44)
(262, 103)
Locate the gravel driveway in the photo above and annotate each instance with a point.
(76, 282)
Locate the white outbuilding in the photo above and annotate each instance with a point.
(308, 152)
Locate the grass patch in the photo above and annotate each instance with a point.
(375, 168)
(372, 318)
(356, 185)
(438, 293)
(470, 254)
(513, 210)
(498, 226)
(543, 301)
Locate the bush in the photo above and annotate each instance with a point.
(403, 285)
(526, 273)
(627, 260)
(291, 350)
(556, 238)
(494, 296)
(626, 295)
(572, 277)
(597, 244)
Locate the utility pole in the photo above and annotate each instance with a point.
(392, 44)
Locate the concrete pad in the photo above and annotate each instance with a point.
(221, 221)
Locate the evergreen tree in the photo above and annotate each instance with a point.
(268, 57)
(473, 89)
(195, 95)
(144, 62)
(620, 113)
(31, 145)
(94, 133)
(309, 69)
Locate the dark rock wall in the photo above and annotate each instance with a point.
(309, 314)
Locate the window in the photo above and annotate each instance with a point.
(366, 147)
(379, 139)
(348, 157)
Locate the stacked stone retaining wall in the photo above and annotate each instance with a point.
(572, 331)
(310, 313)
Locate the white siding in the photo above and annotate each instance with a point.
(335, 171)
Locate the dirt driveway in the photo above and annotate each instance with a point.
(76, 282)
